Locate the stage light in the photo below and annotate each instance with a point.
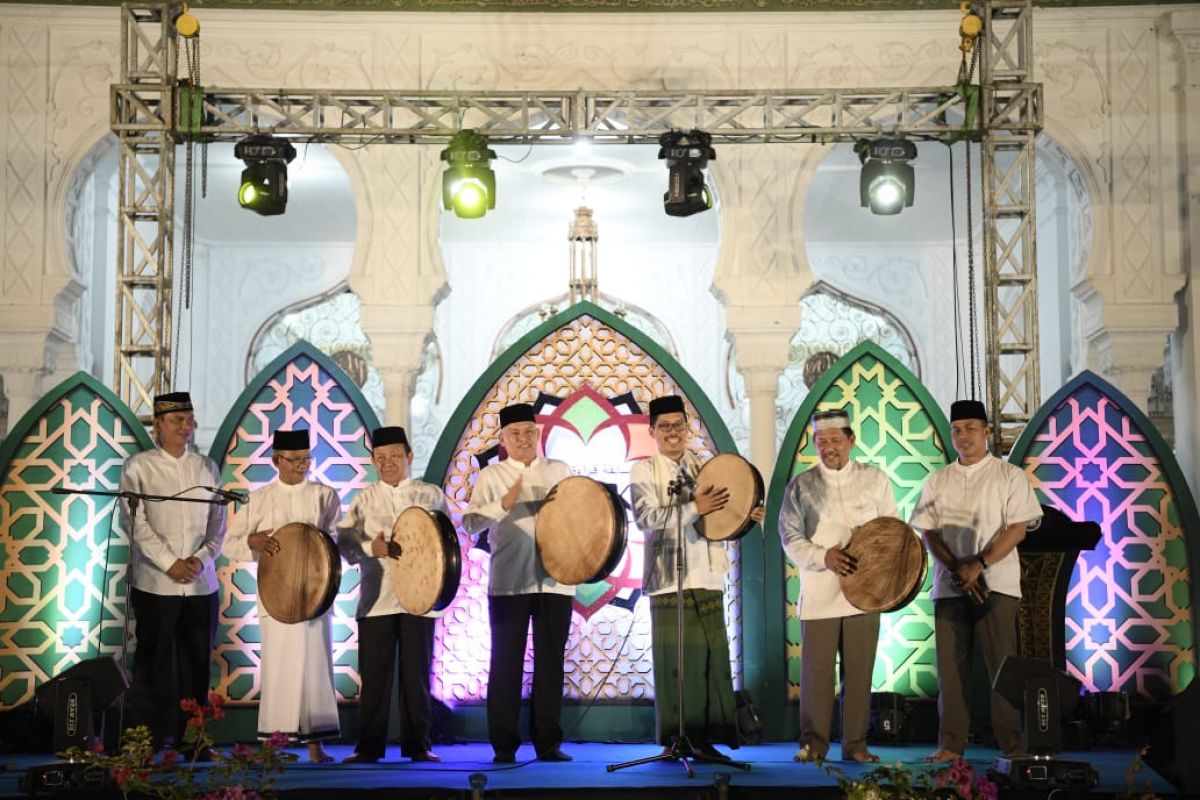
(263, 188)
(887, 183)
(468, 183)
(687, 154)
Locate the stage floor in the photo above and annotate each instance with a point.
(772, 773)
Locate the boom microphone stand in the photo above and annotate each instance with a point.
(681, 748)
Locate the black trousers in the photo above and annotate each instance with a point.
(509, 616)
(378, 640)
(175, 636)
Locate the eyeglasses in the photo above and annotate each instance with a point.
(672, 427)
(296, 460)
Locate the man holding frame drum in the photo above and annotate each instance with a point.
(296, 669)
(710, 710)
(384, 624)
(505, 501)
(821, 508)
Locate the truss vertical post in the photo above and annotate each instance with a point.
(1011, 117)
(142, 116)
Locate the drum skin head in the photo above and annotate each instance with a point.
(300, 582)
(425, 576)
(745, 485)
(580, 531)
(891, 565)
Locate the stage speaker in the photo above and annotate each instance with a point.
(889, 719)
(749, 723)
(1045, 696)
(67, 704)
(1168, 747)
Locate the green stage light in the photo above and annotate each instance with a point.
(263, 189)
(468, 183)
(887, 184)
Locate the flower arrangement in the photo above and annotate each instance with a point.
(244, 773)
(957, 781)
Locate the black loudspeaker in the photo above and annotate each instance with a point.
(1045, 696)
(1168, 750)
(889, 719)
(749, 723)
(67, 704)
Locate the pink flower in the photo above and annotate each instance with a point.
(121, 775)
(242, 751)
(170, 757)
(985, 789)
(196, 721)
(278, 740)
(964, 790)
(97, 746)
(215, 699)
(188, 704)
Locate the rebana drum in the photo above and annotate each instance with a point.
(891, 565)
(300, 581)
(580, 530)
(426, 573)
(745, 485)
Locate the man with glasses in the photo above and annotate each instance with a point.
(296, 666)
(505, 501)
(173, 583)
(384, 626)
(709, 706)
(821, 508)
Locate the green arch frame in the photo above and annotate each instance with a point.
(1188, 513)
(300, 348)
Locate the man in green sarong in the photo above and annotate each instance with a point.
(710, 712)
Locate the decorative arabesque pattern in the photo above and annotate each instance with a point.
(1129, 623)
(898, 433)
(299, 390)
(591, 366)
(63, 572)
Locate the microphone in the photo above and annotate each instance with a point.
(226, 494)
(685, 480)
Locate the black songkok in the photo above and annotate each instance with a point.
(670, 404)
(967, 409)
(291, 440)
(517, 412)
(172, 401)
(390, 434)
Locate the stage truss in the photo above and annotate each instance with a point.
(152, 110)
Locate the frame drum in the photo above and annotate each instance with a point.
(745, 485)
(426, 573)
(891, 565)
(580, 530)
(300, 582)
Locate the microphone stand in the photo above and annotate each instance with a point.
(681, 748)
(133, 498)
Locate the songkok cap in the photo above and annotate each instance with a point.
(390, 434)
(517, 412)
(836, 419)
(290, 440)
(671, 404)
(172, 401)
(967, 409)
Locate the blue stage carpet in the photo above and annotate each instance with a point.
(772, 774)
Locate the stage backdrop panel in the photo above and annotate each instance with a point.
(589, 375)
(301, 388)
(1130, 622)
(898, 428)
(65, 556)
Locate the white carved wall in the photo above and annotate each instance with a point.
(1114, 103)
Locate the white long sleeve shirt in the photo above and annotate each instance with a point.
(516, 568)
(704, 563)
(821, 507)
(971, 506)
(278, 504)
(164, 532)
(374, 511)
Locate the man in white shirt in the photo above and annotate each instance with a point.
(974, 512)
(383, 623)
(710, 711)
(296, 667)
(173, 582)
(505, 501)
(821, 508)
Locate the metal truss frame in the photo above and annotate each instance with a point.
(1004, 118)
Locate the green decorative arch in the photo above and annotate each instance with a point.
(64, 566)
(900, 429)
(300, 387)
(1131, 622)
